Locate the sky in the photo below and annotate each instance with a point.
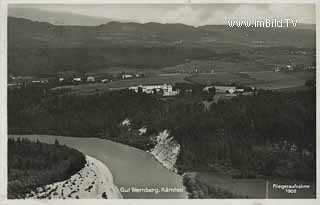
(196, 15)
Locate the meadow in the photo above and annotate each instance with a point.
(275, 80)
(93, 88)
(260, 80)
(222, 77)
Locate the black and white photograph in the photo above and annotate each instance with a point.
(161, 101)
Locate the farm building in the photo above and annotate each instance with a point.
(225, 89)
(276, 70)
(222, 89)
(77, 79)
(166, 89)
(289, 67)
(91, 79)
(105, 80)
(126, 76)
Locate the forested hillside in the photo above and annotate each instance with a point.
(37, 48)
(35, 164)
(269, 134)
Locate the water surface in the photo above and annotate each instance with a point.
(130, 167)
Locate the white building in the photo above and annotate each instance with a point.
(105, 80)
(239, 90)
(126, 76)
(222, 89)
(277, 69)
(91, 79)
(289, 67)
(77, 79)
(166, 89)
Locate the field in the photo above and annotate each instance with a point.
(217, 65)
(121, 84)
(275, 80)
(261, 80)
(222, 77)
(119, 70)
(303, 75)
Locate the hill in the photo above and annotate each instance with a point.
(57, 18)
(44, 48)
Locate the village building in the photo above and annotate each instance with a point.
(289, 67)
(105, 80)
(91, 79)
(77, 79)
(166, 89)
(277, 70)
(239, 90)
(126, 76)
(223, 89)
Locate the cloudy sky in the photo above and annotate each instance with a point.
(196, 15)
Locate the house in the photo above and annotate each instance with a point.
(225, 89)
(207, 88)
(222, 89)
(289, 67)
(138, 75)
(43, 81)
(311, 67)
(276, 70)
(105, 80)
(166, 89)
(77, 79)
(11, 77)
(91, 79)
(35, 81)
(126, 76)
(239, 90)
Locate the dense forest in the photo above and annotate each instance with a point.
(270, 134)
(35, 164)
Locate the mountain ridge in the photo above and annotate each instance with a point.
(41, 47)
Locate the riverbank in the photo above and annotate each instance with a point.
(145, 171)
(94, 181)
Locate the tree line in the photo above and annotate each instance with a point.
(269, 134)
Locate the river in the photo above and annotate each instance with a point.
(131, 168)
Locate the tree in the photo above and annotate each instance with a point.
(212, 90)
(56, 142)
(104, 195)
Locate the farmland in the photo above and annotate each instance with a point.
(217, 65)
(222, 77)
(275, 80)
(261, 80)
(121, 84)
